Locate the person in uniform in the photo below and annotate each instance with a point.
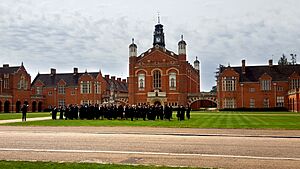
(188, 112)
(61, 112)
(54, 113)
(24, 111)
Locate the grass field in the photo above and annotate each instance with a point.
(241, 120)
(7, 116)
(52, 165)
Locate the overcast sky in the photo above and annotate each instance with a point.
(95, 34)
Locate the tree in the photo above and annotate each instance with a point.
(283, 60)
(293, 60)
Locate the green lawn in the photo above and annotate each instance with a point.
(52, 165)
(244, 120)
(7, 116)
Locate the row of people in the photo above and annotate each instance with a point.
(119, 112)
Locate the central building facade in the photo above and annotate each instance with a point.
(160, 76)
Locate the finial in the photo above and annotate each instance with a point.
(85, 70)
(132, 40)
(196, 57)
(158, 18)
(181, 37)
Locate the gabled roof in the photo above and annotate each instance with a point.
(277, 72)
(163, 50)
(71, 79)
(9, 69)
(117, 85)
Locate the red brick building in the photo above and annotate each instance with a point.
(14, 88)
(160, 76)
(267, 86)
(56, 89)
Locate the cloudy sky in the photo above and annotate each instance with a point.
(95, 34)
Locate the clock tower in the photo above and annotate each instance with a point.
(159, 36)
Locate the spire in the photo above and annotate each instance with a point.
(132, 40)
(196, 61)
(197, 64)
(181, 37)
(22, 63)
(158, 18)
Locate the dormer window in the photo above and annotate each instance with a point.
(229, 83)
(22, 83)
(85, 87)
(265, 85)
(39, 90)
(61, 89)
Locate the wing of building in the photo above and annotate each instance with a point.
(14, 88)
(266, 86)
(160, 76)
(78, 88)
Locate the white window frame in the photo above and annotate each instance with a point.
(141, 81)
(229, 103)
(61, 102)
(265, 85)
(61, 89)
(229, 83)
(172, 81)
(280, 101)
(266, 102)
(252, 103)
(156, 79)
(85, 87)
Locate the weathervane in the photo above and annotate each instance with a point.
(158, 17)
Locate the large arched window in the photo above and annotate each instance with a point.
(172, 81)
(141, 81)
(22, 83)
(156, 79)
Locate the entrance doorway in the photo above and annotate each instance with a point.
(6, 107)
(34, 106)
(158, 103)
(18, 107)
(40, 106)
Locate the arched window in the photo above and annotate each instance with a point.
(156, 79)
(141, 81)
(172, 81)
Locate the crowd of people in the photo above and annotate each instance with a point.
(113, 112)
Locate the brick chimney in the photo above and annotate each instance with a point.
(270, 63)
(52, 71)
(124, 80)
(75, 70)
(106, 76)
(119, 79)
(5, 65)
(243, 66)
(113, 78)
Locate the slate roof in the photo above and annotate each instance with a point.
(9, 69)
(164, 50)
(277, 72)
(72, 80)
